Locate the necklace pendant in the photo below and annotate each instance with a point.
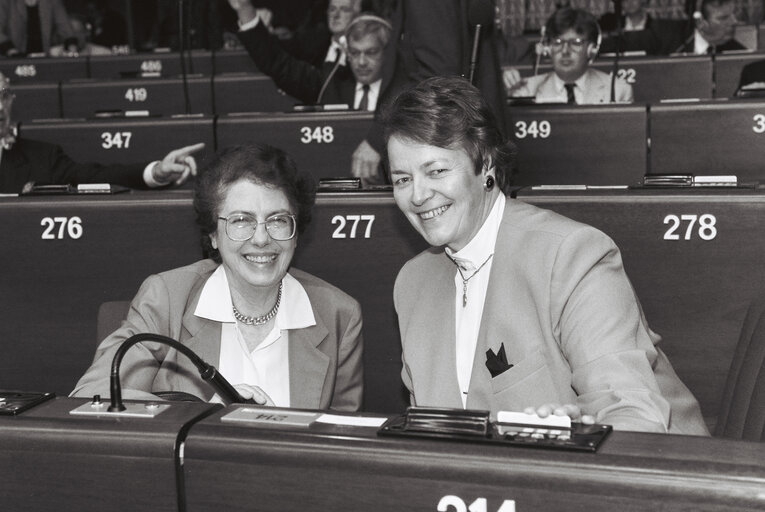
(464, 294)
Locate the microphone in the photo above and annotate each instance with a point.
(209, 373)
(339, 54)
(480, 13)
(539, 48)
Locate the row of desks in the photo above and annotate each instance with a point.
(189, 459)
(226, 82)
(694, 257)
(593, 145)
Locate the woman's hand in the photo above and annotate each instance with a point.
(570, 410)
(258, 395)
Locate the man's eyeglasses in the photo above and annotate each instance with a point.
(242, 226)
(371, 53)
(575, 44)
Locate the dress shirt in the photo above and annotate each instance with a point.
(332, 52)
(478, 251)
(374, 93)
(267, 366)
(700, 45)
(561, 95)
(633, 27)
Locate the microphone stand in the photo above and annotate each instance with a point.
(474, 54)
(209, 373)
(619, 37)
(182, 34)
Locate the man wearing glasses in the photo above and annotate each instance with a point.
(572, 40)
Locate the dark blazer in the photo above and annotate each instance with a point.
(325, 359)
(728, 46)
(433, 38)
(561, 304)
(751, 73)
(297, 78)
(45, 163)
(660, 37)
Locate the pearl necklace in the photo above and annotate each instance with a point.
(259, 320)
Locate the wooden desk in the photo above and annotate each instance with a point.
(694, 291)
(124, 140)
(321, 143)
(593, 145)
(723, 137)
(327, 468)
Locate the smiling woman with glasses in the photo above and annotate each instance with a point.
(279, 335)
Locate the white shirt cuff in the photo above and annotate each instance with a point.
(148, 176)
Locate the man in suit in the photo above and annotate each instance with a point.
(33, 26)
(434, 38)
(24, 160)
(572, 41)
(640, 31)
(714, 28)
(366, 38)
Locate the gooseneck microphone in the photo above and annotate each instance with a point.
(619, 40)
(480, 14)
(209, 373)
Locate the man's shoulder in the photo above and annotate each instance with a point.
(321, 292)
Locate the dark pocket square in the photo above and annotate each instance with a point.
(497, 363)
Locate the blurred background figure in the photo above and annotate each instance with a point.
(572, 40)
(84, 46)
(713, 29)
(33, 26)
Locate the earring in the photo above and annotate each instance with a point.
(489, 183)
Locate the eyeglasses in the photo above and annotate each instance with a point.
(574, 44)
(242, 226)
(372, 53)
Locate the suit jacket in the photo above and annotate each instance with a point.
(54, 20)
(433, 38)
(45, 163)
(560, 302)
(325, 359)
(660, 37)
(729, 46)
(597, 89)
(751, 73)
(297, 78)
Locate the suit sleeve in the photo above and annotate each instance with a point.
(63, 169)
(296, 77)
(148, 313)
(349, 381)
(602, 332)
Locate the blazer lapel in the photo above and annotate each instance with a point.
(434, 351)
(202, 336)
(308, 367)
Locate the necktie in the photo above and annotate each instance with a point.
(570, 98)
(364, 103)
(711, 50)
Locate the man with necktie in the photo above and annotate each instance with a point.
(365, 40)
(572, 40)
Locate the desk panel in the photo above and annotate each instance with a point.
(140, 64)
(44, 69)
(53, 283)
(694, 292)
(233, 61)
(723, 137)
(321, 143)
(124, 140)
(249, 92)
(728, 71)
(330, 468)
(594, 145)
(158, 96)
(656, 79)
(52, 460)
(36, 101)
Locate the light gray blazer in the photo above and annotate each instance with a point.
(560, 301)
(325, 359)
